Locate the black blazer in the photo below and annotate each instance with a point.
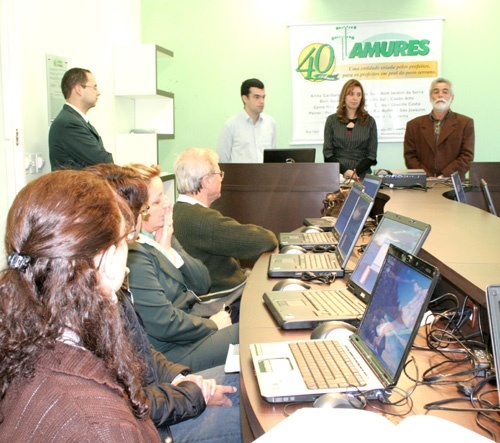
(73, 143)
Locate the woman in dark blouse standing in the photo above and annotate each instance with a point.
(351, 133)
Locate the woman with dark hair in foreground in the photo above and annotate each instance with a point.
(67, 370)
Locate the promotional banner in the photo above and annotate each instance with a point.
(395, 61)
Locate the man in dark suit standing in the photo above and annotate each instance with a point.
(441, 142)
(73, 142)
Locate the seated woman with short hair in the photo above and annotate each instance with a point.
(166, 282)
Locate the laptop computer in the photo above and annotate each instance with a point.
(305, 309)
(328, 263)
(487, 197)
(330, 236)
(458, 187)
(377, 351)
(297, 155)
(493, 305)
(371, 184)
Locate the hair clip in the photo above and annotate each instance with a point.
(18, 261)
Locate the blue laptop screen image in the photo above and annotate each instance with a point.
(389, 231)
(348, 207)
(390, 318)
(352, 229)
(372, 185)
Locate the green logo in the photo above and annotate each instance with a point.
(393, 48)
(317, 62)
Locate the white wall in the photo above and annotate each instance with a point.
(83, 31)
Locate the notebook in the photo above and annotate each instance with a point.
(328, 263)
(298, 155)
(458, 187)
(337, 225)
(377, 352)
(371, 184)
(493, 305)
(487, 197)
(306, 309)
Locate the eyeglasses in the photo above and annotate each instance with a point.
(221, 173)
(144, 210)
(89, 86)
(131, 236)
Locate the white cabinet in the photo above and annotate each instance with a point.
(145, 109)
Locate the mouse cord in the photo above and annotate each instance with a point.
(325, 279)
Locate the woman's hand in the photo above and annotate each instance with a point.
(214, 394)
(222, 319)
(351, 174)
(164, 235)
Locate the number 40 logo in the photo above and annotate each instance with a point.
(317, 62)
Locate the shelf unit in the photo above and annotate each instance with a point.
(145, 109)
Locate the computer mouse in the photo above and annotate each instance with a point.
(309, 229)
(290, 284)
(333, 401)
(332, 329)
(293, 249)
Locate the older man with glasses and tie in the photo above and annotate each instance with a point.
(73, 142)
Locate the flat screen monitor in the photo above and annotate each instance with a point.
(298, 155)
(487, 197)
(459, 188)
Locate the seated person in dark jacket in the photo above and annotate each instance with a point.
(166, 282)
(178, 397)
(219, 242)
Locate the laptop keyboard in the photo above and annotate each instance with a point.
(326, 364)
(318, 237)
(334, 303)
(317, 261)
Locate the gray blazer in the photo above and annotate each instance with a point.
(162, 295)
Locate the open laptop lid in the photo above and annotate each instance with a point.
(487, 197)
(392, 318)
(347, 209)
(372, 184)
(493, 305)
(406, 233)
(458, 187)
(353, 228)
(298, 155)
(338, 224)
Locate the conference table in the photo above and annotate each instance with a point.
(463, 243)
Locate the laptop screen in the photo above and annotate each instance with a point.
(297, 155)
(355, 225)
(459, 189)
(493, 304)
(406, 233)
(348, 207)
(372, 184)
(398, 301)
(487, 197)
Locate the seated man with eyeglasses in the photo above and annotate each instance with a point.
(73, 142)
(219, 242)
